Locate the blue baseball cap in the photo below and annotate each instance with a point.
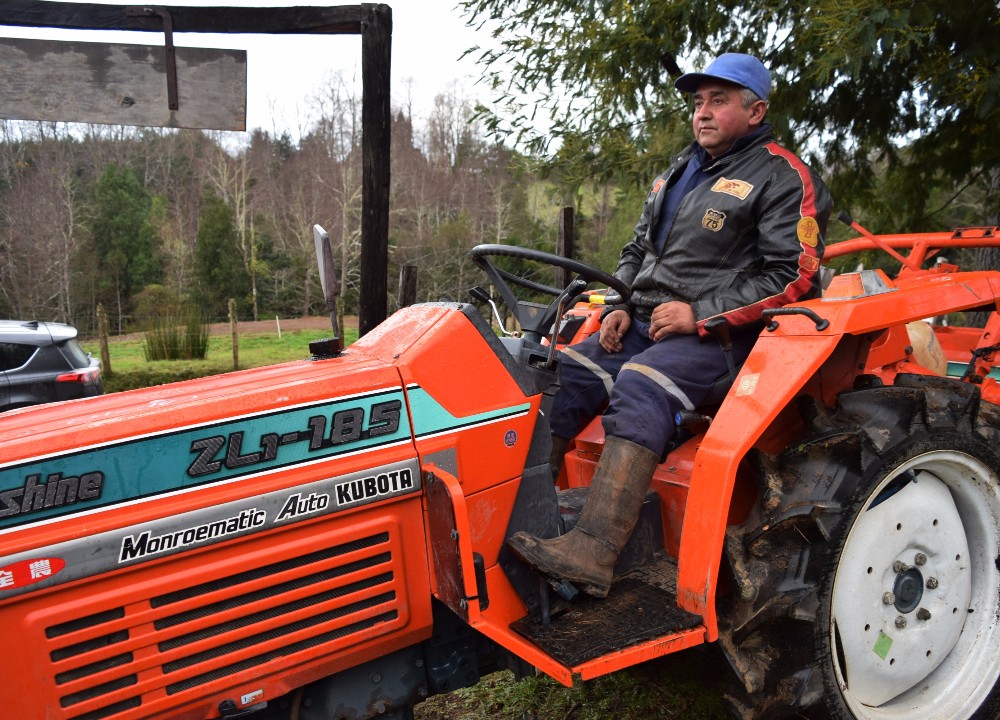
(745, 70)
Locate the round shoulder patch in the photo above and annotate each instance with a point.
(808, 231)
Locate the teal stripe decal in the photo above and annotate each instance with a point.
(146, 467)
(957, 369)
(95, 554)
(429, 417)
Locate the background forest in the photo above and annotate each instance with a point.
(143, 221)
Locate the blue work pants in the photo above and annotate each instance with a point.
(644, 385)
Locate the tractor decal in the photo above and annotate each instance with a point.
(58, 491)
(430, 418)
(29, 572)
(103, 552)
(151, 466)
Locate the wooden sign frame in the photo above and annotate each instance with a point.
(372, 21)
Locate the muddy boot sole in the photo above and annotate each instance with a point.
(537, 556)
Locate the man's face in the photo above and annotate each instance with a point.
(719, 116)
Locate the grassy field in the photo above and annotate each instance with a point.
(130, 369)
(687, 686)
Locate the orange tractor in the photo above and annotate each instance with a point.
(324, 539)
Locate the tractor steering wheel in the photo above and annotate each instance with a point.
(535, 319)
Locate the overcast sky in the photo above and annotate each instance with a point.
(428, 38)
(284, 72)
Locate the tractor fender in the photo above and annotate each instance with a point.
(776, 370)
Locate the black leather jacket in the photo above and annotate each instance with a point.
(747, 238)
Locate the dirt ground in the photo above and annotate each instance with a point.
(249, 327)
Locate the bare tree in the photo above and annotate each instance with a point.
(337, 135)
(43, 228)
(231, 176)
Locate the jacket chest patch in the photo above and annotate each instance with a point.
(808, 231)
(713, 220)
(736, 188)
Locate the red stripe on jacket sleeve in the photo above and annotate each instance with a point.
(809, 262)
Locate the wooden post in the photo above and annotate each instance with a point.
(564, 244)
(407, 285)
(234, 329)
(102, 335)
(376, 42)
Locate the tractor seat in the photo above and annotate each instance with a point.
(720, 388)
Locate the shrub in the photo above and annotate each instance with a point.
(176, 339)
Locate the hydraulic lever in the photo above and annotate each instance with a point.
(572, 290)
(718, 327)
(482, 296)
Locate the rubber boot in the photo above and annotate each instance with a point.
(586, 555)
(558, 453)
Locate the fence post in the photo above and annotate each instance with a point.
(102, 336)
(564, 244)
(235, 332)
(407, 286)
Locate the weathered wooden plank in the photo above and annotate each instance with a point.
(345, 19)
(121, 84)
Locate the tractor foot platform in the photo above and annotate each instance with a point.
(641, 606)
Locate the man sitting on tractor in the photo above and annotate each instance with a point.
(733, 227)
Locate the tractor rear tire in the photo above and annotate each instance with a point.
(868, 576)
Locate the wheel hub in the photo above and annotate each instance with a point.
(895, 625)
(929, 533)
(908, 590)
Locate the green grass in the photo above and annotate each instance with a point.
(130, 369)
(688, 685)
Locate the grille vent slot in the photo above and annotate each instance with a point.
(83, 623)
(325, 603)
(85, 670)
(128, 704)
(275, 612)
(262, 572)
(89, 645)
(98, 690)
(290, 586)
(303, 645)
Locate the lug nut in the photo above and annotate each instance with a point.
(900, 622)
(888, 598)
(920, 559)
(899, 566)
(923, 614)
(932, 583)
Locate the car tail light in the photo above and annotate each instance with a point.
(86, 375)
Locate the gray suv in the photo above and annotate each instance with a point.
(42, 362)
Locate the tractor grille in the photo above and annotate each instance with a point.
(108, 662)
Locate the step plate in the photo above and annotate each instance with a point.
(641, 606)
